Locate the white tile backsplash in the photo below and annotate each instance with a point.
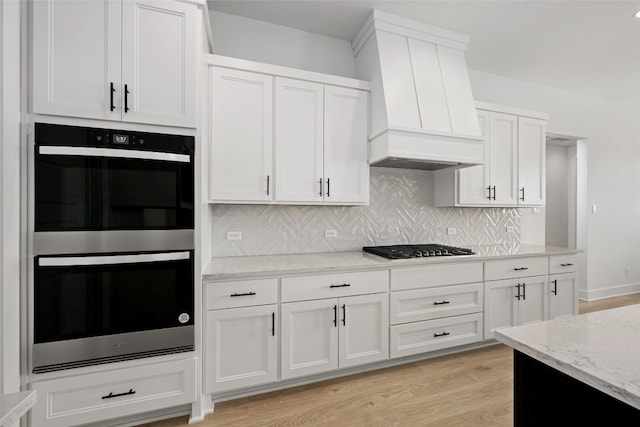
(400, 211)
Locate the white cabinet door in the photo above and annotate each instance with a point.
(241, 347)
(364, 329)
(346, 168)
(532, 305)
(309, 337)
(473, 182)
(76, 58)
(531, 161)
(299, 141)
(503, 159)
(241, 136)
(159, 62)
(563, 294)
(500, 305)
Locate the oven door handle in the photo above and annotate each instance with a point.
(111, 259)
(113, 152)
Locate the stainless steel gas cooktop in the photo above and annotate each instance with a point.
(416, 251)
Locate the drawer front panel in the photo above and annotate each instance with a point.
(94, 397)
(242, 293)
(435, 275)
(434, 303)
(430, 335)
(334, 285)
(563, 264)
(515, 268)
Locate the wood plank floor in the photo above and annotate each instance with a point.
(474, 388)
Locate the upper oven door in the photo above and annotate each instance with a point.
(88, 188)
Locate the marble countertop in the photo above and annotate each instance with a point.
(601, 349)
(224, 268)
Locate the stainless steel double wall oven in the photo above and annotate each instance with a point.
(113, 245)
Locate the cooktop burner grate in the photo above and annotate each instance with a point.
(416, 251)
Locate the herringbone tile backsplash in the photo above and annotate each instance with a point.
(400, 211)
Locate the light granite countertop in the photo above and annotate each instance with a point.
(601, 349)
(229, 268)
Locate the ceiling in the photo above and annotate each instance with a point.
(590, 47)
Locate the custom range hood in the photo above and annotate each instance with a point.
(422, 110)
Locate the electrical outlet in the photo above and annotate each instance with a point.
(234, 235)
(452, 230)
(330, 233)
(510, 229)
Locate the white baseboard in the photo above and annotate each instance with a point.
(613, 291)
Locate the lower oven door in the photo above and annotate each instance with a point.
(97, 309)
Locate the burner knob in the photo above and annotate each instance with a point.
(417, 254)
(425, 253)
(433, 253)
(438, 252)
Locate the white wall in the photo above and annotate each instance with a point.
(254, 40)
(10, 192)
(613, 132)
(557, 206)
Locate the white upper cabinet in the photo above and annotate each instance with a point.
(116, 60)
(515, 163)
(321, 147)
(286, 136)
(531, 161)
(241, 136)
(299, 140)
(346, 171)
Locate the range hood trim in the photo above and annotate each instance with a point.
(382, 21)
(407, 146)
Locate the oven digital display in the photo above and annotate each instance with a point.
(120, 139)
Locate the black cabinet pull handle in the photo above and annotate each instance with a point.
(444, 334)
(335, 315)
(494, 192)
(489, 188)
(521, 268)
(243, 295)
(344, 285)
(328, 186)
(126, 393)
(113, 107)
(440, 303)
(522, 198)
(126, 98)
(268, 184)
(555, 287)
(524, 291)
(273, 324)
(320, 187)
(566, 265)
(518, 296)
(344, 315)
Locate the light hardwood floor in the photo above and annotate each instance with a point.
(473, 388)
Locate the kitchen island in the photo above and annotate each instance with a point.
(577, 370)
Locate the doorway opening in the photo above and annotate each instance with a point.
(566, 197)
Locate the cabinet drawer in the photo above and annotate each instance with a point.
(433, 303)
(430, 335)
(435, 275)
(334, 285)
(515, 268)
(563, 264)
(242, 293)
(111, 394)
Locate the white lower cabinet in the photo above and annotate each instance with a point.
(241, 347)
(511, 302)
(421, 337)
(322, 335)
(114, 393)
(563, 294)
